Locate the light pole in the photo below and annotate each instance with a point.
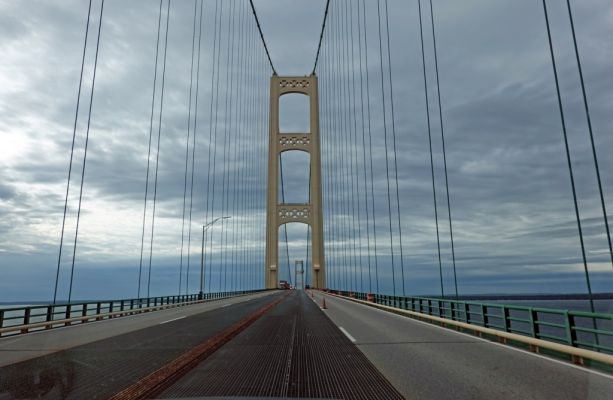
(204, 227)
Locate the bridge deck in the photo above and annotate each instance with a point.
(294, 350)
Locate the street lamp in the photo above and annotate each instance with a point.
(204, 228)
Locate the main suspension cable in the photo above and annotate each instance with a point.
(321, 36)
(257, 21)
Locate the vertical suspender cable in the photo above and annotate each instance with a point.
(366, 209)
(89, 118)
(157, 164)
(346, 130)
(74, 134)
(438, 241)
(155, 71)
(189, 121)
(250, 200)
(342, 175)
(355, 149)
(214, 74)
(568, 159)
(590, 130)
(239, 184)
(372, 185)
(393, 120)
(228, 98)
(232, 147)
(347, 148)
(191, 190)
(240, 99)
(387, 172)
(289, 270)
(440, 115)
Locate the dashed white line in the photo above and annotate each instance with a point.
(347, 334)
(174, 319)
(226, 305)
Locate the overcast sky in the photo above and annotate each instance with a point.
(513, 217)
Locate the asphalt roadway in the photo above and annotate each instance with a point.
(424, 361)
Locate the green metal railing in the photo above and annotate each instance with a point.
(593, 331)
(18, 316)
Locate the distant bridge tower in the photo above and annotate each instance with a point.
(308, 213)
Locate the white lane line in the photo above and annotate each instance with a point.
(501, 345)
(347, 334)
(170, 320)
(226, 305)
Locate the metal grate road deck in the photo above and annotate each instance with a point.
(292, 351)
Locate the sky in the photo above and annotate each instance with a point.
(513, 218)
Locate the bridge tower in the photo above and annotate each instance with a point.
(309, 213)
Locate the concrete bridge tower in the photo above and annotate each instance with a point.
(310, 213)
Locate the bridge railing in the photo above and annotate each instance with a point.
(593, 331)
(48, 313)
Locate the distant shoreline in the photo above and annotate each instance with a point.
(576, 296)
(474, 297)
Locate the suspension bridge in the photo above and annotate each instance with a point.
(297, 236)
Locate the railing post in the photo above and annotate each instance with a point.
(67, 313)
(467, 313)
(505, 317)
(484, 315)
(1, 318)
(48, 318)
(571, 333)
(534, 326)
(26, 316)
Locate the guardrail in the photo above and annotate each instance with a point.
(18, 320)
(593, 331)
